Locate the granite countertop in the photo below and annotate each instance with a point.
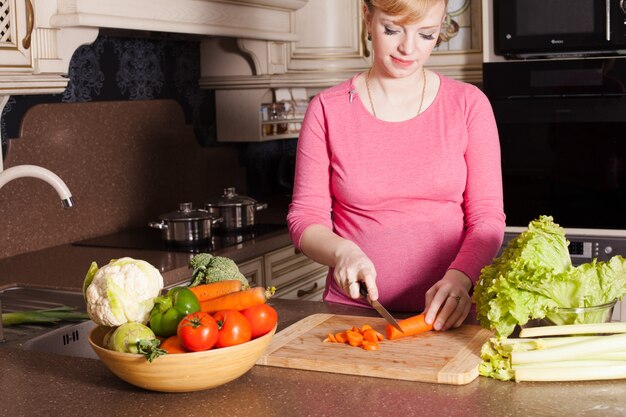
(40, 384)
(37, 384)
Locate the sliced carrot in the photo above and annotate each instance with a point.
(370, 335)
(330, 338)
(239, 300)
(367, 345)
(411, 326)
(364, 336)
(205, 292)
(341, 337)
(354, 338)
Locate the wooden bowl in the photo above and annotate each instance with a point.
(182, 372)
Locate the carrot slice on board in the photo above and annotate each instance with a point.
(370, 335)
(341, 337)
(369, 345)
(330, 338)
(354, 338)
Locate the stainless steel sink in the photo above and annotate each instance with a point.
(65, 339)
(70, 340)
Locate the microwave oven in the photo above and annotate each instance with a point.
(553, 28)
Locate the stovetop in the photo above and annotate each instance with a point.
(151, 239)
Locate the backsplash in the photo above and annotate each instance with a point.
(125, 163)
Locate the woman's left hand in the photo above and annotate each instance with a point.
(448, 301)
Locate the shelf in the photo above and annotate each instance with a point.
(239, 116)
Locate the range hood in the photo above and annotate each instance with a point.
(249, 19)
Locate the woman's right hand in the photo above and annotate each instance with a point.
(353, 266)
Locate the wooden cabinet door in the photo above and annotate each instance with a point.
(253, 271)
(331, 36)
(287, 269)
(16, 22)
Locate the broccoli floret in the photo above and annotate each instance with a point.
(208, 268)
(200, 262)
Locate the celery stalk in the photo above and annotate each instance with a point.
(578, 373)
(52, 315)
(570, 329)
(586, 348)
(511, 344)
(571, 364)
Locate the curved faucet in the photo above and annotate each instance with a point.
(35, 171)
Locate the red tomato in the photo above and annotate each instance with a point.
(234, 328)
(197, 331)
(262, 319)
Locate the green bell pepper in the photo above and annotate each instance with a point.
(170, 309)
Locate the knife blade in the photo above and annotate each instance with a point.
(379, 308)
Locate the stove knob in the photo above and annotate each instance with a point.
(609, 249)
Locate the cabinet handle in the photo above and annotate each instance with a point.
(366, 51)
(303, 293)
(30, 23)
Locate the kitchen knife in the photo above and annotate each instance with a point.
(379, 308)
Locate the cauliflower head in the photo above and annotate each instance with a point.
(121, 291)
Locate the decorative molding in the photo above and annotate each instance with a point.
(471, 73)
(32, 83)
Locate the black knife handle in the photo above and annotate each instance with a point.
(363, 289)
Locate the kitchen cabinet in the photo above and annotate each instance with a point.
(253, 271)
(332, 38)
(331, 46)
(34, 55)
(294, 275)
(16, 28)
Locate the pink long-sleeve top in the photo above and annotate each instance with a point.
(419, 196)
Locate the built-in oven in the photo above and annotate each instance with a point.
(562, 127)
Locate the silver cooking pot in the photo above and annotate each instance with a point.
(186, 226)
(238, 211)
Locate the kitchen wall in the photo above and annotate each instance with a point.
(132, 136)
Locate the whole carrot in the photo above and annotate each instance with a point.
(411, 326)
(238, 300)
(172, 345)
(205, 292)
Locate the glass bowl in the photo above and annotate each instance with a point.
(576, 315)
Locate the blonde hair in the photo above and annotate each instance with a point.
(411, 10)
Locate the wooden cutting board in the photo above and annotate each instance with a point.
(449, 357)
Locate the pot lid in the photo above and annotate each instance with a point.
(186, 212)
(231, 198)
